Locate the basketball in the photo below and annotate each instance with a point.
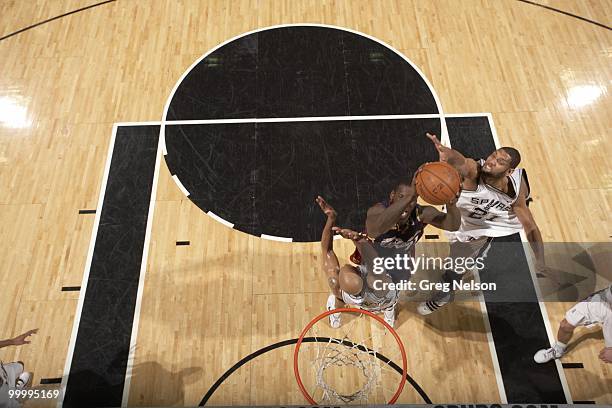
(438, 183)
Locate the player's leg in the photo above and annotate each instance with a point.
(473, 248)
(564, 335)
(592, 310)
(579, 315)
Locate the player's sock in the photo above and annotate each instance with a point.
(431, 306)
(560, 347)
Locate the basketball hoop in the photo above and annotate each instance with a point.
(347, 365)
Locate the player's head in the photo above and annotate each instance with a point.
(350, 280)
(403, 187)
(502, 162)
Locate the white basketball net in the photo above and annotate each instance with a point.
(347, 362)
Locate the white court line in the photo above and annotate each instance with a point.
(467, 115)
(221, 220)
(143, 270)
(485, 316)
(302, 119)
(92, 243)
(498, 376)
(125, 124)
(547, 325)
(163, 144)
(180, 185)
(275, 238)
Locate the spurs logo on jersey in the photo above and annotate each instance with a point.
(487, 211)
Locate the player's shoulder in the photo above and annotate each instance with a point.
(379, 206)
(521, 182)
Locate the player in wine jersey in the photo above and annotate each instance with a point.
(595, 309)
(395, 225)
(493, 203)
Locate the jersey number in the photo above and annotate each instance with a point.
(479, 214)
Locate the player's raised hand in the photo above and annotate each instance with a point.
(22, 338)
(442, 150)
(326, 208)
(349, 234)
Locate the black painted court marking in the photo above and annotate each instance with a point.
(99, 350)
(87, 211)
(585, 402)
(566, 13)
(71, 288)
(55, 18)
(572, 365)
(432, 236)
(181, 243)
(44, 381)
(518, 329)
(241, 136)
(283, 343)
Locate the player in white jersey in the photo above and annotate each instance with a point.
(13, 375)
(493, 203)
(595, 309)
(349, 284)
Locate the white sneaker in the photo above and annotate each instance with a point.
(334, 318)
(389, 315)
(545, 355)
(23, 380)
(431, 306)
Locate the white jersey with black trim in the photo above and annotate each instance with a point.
(367, 299)
(487, 211)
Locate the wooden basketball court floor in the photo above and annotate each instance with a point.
(543, 76)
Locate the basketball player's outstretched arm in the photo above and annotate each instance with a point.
(468, 168)
(331, 266)
(381, 219)
(367, 251)
(19, 340)
(531, 228)
(447, 221)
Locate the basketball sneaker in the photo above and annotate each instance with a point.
(426, 308)
(389, 315)
(334, 318)
(545, 355)
(23, 380)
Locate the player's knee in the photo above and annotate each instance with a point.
(566, 326)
